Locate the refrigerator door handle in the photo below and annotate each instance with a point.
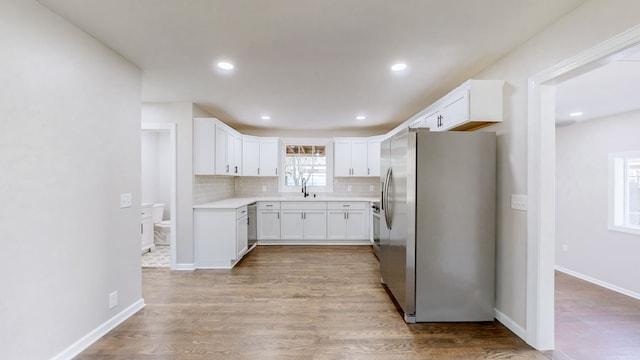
(385, 199)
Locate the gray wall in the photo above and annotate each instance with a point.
(590, 24)
(69, 125)
(582, 199)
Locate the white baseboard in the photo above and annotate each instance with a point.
(314, 242)
(184, 267)
(510, 324)
(93, 336)
(604, 284)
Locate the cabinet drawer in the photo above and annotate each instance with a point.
(269, 205)
(347, 205)
(303, 205)
(241, 211)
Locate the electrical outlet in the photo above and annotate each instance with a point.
(125, 200)
(565, 247)
(264, 187)
(349, 188)
(113, 300)
(370, 187)
(519, 202)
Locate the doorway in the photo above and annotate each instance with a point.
(541, 180)
(158, 153)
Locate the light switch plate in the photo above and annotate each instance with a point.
(519, 202)
(125, 201)
(113, 300)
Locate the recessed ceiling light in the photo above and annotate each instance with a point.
(360, 117)
(265, 117)
(225, 65)
(398, 67)
(574, 114)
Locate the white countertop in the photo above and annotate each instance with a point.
(234, 203)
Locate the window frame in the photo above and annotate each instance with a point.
(327, 143)
(618, 192)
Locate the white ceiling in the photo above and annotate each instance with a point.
(310, 64)
(608, 90)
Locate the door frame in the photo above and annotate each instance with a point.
(540, 316)
(171, 129)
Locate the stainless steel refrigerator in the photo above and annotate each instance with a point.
(437, 226)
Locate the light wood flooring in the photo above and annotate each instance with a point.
(295, 302)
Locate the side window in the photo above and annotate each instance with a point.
(624, 194)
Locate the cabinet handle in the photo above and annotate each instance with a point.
(258, 171)
(141, 229)
(347, 216)
(276, 171)
(346, 205)
(344, 216)
(368, 171)
(236, 169)
(269, 205)
(247, 221)
(278, 216)
(302, 216)
(227, 169)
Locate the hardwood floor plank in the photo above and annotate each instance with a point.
(291, 302)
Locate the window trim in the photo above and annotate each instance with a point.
(328, 143)
(618, 192)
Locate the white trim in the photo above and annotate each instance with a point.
(595, 281)
(366, 242)
(171, 127)
(95, 335)
(510, 324)
(184, 267)
(540, 178)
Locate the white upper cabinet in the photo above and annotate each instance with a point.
(472, 105)
(350, 157)
(217, 148)
(220, 150)
(259, 156)
(250, 155)
(373, 155)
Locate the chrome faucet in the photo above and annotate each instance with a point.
(304, 188)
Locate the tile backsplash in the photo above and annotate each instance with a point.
(213, 188)
(207, 188)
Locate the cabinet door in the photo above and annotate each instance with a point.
(336, 224)
(457, 110)
(230, 156)
(419, 123)
(342, 158)
(373, 158)
(359, 158)
(237, 155)
(269, 157)
(250, 156)
(242, 233)
(268, 225)
(357, 225)
(221, 151)
(433, 121)
(315, 224)
(291, 224)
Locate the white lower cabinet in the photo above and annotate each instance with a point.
(217, 244)
(146, 229)
(268, 220)
(347, 221)
(303, 220)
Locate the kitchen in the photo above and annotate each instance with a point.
(96, 121)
